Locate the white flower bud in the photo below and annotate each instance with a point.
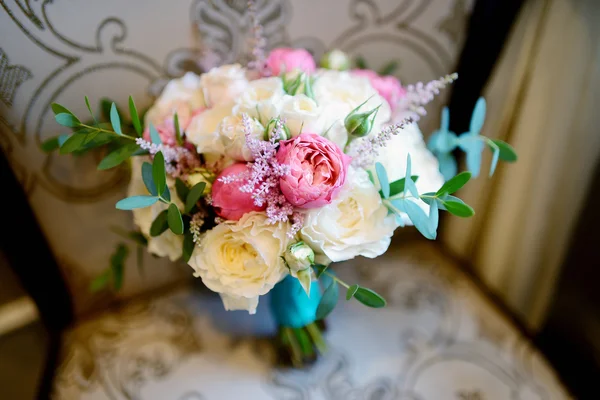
(299, 256)
(336, 60)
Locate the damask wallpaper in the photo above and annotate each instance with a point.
(59, 50)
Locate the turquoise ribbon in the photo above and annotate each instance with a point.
(291, 306)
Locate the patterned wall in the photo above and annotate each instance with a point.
(60, 50)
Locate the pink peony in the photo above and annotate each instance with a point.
(318, 170)
(287, 59)
(388, 87)
(227, 199)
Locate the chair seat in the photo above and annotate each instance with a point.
(438, 338)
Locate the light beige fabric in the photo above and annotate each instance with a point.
(543, 99)
(438, 339)
(58, 51)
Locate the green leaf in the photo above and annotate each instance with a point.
(60, 109)
(68, 120)
(115, 120)
(100, 282)
(154, 136)
(73, 143)
(175, 220)
(50, 145)
(160, 224)
(105, 105)
(182, 190)
(388, 68)
(419, 219)
(328, 300)
(89, 107)
(369, 298)
(133, 202)
(148, 180)
(178, 137)
(166, 194)
(308, 87)
(158, 172)
(383, 179)
(459, 209)
(193, 196)
(135, 118)
(118, 156)
(397, 187)
(361, 63)
(117, 265)
(454, 184)
(351, 291)
(188, 246)
(507, 152)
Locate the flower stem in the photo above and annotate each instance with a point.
(107, 131)
(338, 280)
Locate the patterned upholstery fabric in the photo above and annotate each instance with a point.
(439, 338)
(57, 51)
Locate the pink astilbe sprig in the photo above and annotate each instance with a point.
(364, 151)
(259, 43)
(179, 161)
(420, 94)
(264, 174)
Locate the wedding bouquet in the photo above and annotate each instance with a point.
(260, 177)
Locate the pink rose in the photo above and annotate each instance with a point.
(388, 87)
(227, 199)
(318, 170)
(287, 59)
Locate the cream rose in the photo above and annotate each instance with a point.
(261, 100)
(242, 260)
(222, 85)
(182, 96)
(301, 113)
(202, 130)
(338, 93)
(233, 137)
(355, 223)
(167, 244)
(423, 164)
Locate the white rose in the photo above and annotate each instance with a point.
(242, 260)
(181, 96)
(355, 223)
(423, 164)
(166, 244)
(233, 137)
(222, 85)
(202, 130)
(261, 99)
(339, 92)
(301, 113)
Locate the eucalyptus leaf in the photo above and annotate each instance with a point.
(62, 139)
(478, 117)
(369, 298)
(409, 185)
(89, 107)
(507, 152)
(158, 172)
(434, 217)
(182, 190)
(60, 109)
(73, 143)
(115, 120)
(193, 196)
(117, 266)
(351, 291)
(160, 224)
(166, 194)
(454, 184)
(397, 187)
(148, 179)
(383, 179)
(68, 120)
(460, 209)
(328, 301)
(188, 246)
(118, 156)
(419, 219)
(134, 202)
(473, 146)
(495, 157)
(135, 118)
(100, 282)
(154, 136)
(448, 165)
(175, 220)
